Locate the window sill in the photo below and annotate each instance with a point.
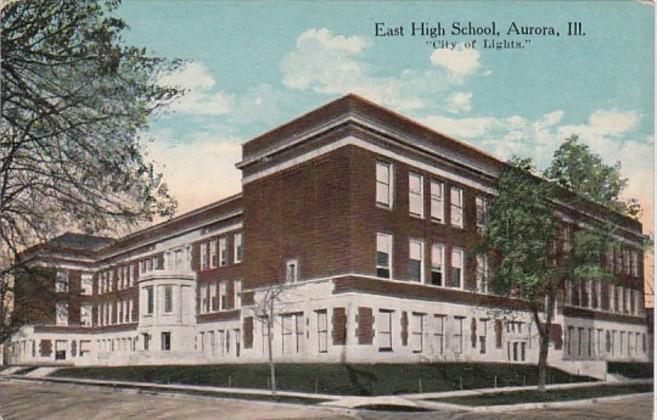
(416, 216)
(383, 206)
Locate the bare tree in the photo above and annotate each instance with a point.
(264, 311)
(74, 99)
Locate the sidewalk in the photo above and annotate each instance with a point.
(148, 386)
(481, 391)
(409, 401)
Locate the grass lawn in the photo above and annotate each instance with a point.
(631, 369)
(339, 379)
(520, 397)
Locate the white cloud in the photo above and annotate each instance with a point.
(349, 45)
(459, 101)
(330, 64)
(198, 168)
(192, 75)
(199, 97)
(459, 62)
(605, 123)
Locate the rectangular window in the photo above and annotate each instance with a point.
(458, 334)
(85, 314)
(292, 331)
(383, 255)
(237, 289)
(86, 284)
(212, 342)
(149, 300)
(416, 260)
(384, 330)
(457, 268)
(213, 254)
(439, 333)
(634, 263)
(223, 295)
(168, 299)
(204, 300)
(292, 271)
(566, 233)
(609, 258)
(61, 286)
(482, 273)
(221, 341)
(482, 206)
(204, 256)
(618, 266)
(437, 264)
(214, 301)
(417, 332)
(131, 312)
(322, 331)
(569, 340)
(590, 343)
(437, 201)
(166, 341)
(237, 244)
(456, 207)
(415, 194)
(62, 313)
(483, 333)
(223, 252)
(626, 261)
(384, 184)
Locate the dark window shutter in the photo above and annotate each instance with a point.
(556, 336)
(498, 333)
(339, 321)
(365, 320)
(248, 332)
(404, 328)
(473, 332)
(45, 348)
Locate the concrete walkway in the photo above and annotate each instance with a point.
(149, 386)
(409, 401)
(482, 391)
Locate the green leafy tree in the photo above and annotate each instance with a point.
(577, 169)
(74, 99)
(520, 227)
(533, 260)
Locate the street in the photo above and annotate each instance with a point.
(31, 400)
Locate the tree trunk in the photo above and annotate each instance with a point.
(542, 361)
(272, 366)
(544, 335)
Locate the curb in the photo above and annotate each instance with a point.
(147, 386)
(555, 404)
(482, 391)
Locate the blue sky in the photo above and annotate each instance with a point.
(255, 65)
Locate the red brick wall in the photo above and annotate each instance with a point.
(298, 213)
